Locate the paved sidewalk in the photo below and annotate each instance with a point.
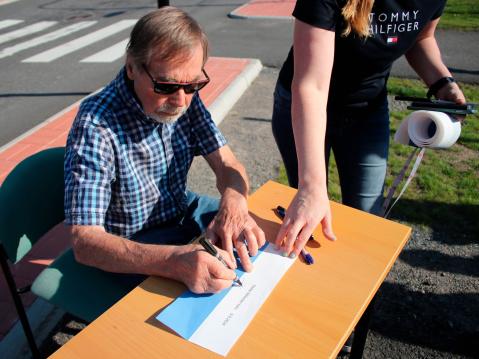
(229, 79)
(265, 9)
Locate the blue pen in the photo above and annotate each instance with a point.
(308, 258)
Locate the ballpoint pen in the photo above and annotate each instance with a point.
(210, 248)
(308, 258)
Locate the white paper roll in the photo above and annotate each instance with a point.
(429, 129)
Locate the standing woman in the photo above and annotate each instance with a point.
(331, 95)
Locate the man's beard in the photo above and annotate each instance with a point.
(160, 117)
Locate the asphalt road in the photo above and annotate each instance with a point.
(30, 92)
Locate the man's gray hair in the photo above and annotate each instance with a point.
(168, 31)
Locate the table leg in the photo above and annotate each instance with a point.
(361, 332)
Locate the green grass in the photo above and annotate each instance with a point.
(470, 131)
(461, 15)
(444, 194)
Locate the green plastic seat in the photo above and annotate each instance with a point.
(83, 291)
(31, 203)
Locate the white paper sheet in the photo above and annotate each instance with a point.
(217, 321)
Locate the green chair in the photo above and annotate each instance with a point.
(83, 291)
(31, 203)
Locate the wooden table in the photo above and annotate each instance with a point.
(310, 313)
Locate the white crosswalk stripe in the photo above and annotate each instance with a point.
(109, 54)
(27, 30)
(5, 2)
(8, 23)
(81, 42)
(51, 36)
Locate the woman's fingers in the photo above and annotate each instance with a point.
(327, 224)
(291, 237)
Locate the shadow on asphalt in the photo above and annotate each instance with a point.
(437, 303)
(256, 119)
(444, 322)
(462, 71)
(436, 261)
(454, 224)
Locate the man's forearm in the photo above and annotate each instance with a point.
(230, 173)
(198, 270)
(233, 179)
(94, 247)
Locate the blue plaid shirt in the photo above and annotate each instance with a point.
(123, 170)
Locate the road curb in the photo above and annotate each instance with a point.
(236, 15)
(219, 108)
(224, 102)
(42, 124)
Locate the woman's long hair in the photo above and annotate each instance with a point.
(356, 15)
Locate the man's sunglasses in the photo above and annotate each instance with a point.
(168, 88)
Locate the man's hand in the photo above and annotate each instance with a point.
(200, 271)
(233, 227)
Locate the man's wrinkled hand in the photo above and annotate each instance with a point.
(233, 227)
(200, 271)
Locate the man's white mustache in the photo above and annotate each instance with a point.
(171, 110)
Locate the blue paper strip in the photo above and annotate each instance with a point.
(189, 310)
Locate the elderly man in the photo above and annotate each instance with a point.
(126, 164)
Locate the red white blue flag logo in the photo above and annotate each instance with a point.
(392, 40)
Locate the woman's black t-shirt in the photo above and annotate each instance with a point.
(361, 66)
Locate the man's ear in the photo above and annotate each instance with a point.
(130, 68)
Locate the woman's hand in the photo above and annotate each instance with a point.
(451, 92)
(309, 207)
(310, 87)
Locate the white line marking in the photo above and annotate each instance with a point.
(5, 2)
(7, 23)
(27, 30)
(110, 54)
(9, 51)
(74, 45)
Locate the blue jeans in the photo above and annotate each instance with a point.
(201, 211)
(359, 139)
